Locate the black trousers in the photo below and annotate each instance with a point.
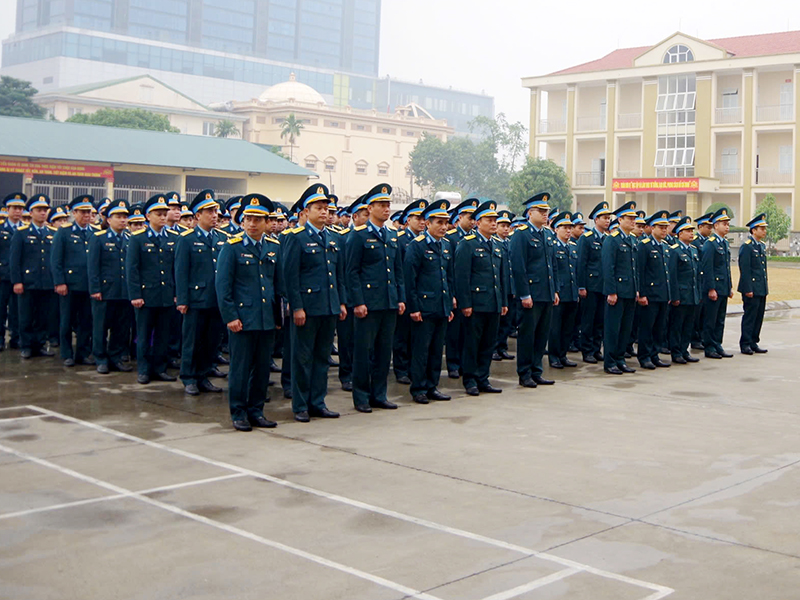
(634, 337)
(111, 327)
(752, 320)
(201, 333)
(9, 311)
(373, 337)
(401, 349)
(454, 341)
(534, 332)
(507, 325)
(480, 338)
(311, 348)
(152, 337)
(575, 340)
(699, 318)
(75, 314)
(344, 333)
(592, 322)
(286, 361)
(680, 334)
(248, 377)
(562, 327)
(652, 327)
(617, 330)
(54, 320)
(427, 342)
(35, 314)
(175, 331)
(714, 323)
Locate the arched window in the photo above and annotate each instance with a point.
(330, 164)
(678, 54)
(383, 169)
(311, 161)
(361, 167)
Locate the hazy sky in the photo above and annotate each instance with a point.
(480, 45)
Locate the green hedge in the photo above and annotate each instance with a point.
(789, 259)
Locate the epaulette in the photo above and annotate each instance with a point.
(99, 233)
(219, 230)
(187, 232)
(391, 228)
(588, 233)
(419, 238)
(234, 239)
(644, 241)
(402, 233)
(471, 236)
(711, 238)
(23, 227)
(141, 231)
(173, 232)
(694, 237)
(361, 228)
(93, 226)
(616, 233)
(287, 231)
(522, 228)
(674, 246)
(299, 228)
(747, 241)
(451, 231)
(573, 243)
(51, 228)
(273, 240)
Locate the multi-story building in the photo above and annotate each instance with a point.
(678, 125)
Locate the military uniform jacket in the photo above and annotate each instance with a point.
(106, 264)
(532, 259)
(150, 267)
(566, 267)
(6, 233)
(715, 266)
(30, 257)
(698, 242)
(480, 283)
(653, 263)
(69, 256)
(313, 269)
(505, 246)
(233, 229)
(196, 266)
(374, 269)
(249, 283)
(753, 268)
(429, 270)
(620, 275)
(590, 261)
(684, 272)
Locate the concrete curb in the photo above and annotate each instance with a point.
(738, 309)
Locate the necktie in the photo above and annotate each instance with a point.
(258, 249)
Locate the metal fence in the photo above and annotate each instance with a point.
(62, 192)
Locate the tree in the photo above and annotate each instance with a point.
(509, 140)
(291, 128)
(539, 175)
(16, 99)
(127, 118)
(226, 128)
(717, 205)
(778, 222)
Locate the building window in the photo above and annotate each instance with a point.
(209, 128)
(678, 54)
(278, 120)
(730, 161)
(330, 164)
(47, 80)
(334, 124)
(261, 120)
(360, 127)
(311, 162)
(785, 159)
(72, 111)
(361, 167)
(730, 98)
(410, 133)
(676, 92)
(383, 169)
(387, 130)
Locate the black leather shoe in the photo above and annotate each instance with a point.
(287, 394)
(598, 356)
(678, 360)
(489, 389)
(690, 359)
(103, 369)
(331, 362)
(573, 348)
(191, 389)
(347, 386)
(421, 399)
(242, 426)
(45, 352)
(89, 362)
(26, 353)
(437, 395)
(217, 373)
(663, 351)
(324, 413)
(453, 374)
(364, 408)
(404, 379)
(54, 343)
(143, 379)
(628, 354)
(697, 346)
(334, 351)
(613, 370)
(527, 382)
(747, 351)
(165, 377)
(274, 368)
(385, 404)
(496, 357)
(473, 391)
(724, 354)
(207, 386)
(125, 358)
(302, 417)
(647, 364)
(627, 369)
(542, 381)
(121, 367)
(221, 360)
(263, 423)
(506, 355)
(173, 364)
(224, 349)
(660, 363)
(588, 358)
(759, 350)
(713, 355)
(555, 364)
(69, 362)
(568, 363)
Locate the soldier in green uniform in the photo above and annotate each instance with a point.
(249, 284)
(590, 283)
(565, 273)
(149, 265)
(313, 267)
(111, 310)
(508, 322)
(68, 264)
(717, 288)
(684, 269)
(14, 204)
(621, 288)
(652, 262)
(374, 274)
(481, 297)
(753, 285)
(429, 272)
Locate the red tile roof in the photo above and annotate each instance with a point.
(748, 45)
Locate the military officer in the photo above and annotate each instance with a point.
(753, 285)
(58, 217)
(715, 267)
(68, 264)
(136, 218)
(31, 276)
(373, 257)
(508, 322)
(174, 211)
(249, 284)
(429, 279)
(674, 217)
(481, 296)
(14, 204)
(590, 283)
(565, 273)
(532, 258)
(704, 229)
(578, 226)
(149, 265)
(621, 288)
(684, 270)
(187, 218)
(652, 262)
(578, 229)
(111, 310)
(232, 207)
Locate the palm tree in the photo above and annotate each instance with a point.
(291, 128)
(226, 128)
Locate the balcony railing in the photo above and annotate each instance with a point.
(552, 126)
(629, 121)
(728, 116)
(773, 177)
(778, 112)
(597, 123)
(628, 174)
(584, 178)
(729, 176)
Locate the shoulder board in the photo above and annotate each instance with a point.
(187, 232)
(299, 228)
(140, 232)
(522, 228)
(273, 240)
(471, 236)
(451, 231)
(711, 238)
(287, 231)
(402, 233)
(235, 239)
(588, 233)
(361, 228)
(572, 243)
(22, 227)
(93, 226)
(616, 233)
(644, 241)
(694, 237)
(222, 231)
(174, 232)
(497, 238)
(391, 228)
(419, 238)
(51, 228)
(99, 233)
(747, 241)
(674, 246)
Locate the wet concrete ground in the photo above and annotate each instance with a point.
(680, 483)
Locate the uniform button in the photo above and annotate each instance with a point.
(388, 270)
(263, 300)
(331, 286)
(263, 289)
(309, 291)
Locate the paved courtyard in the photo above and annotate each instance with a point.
(680, 483)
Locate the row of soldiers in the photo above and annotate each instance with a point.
(467, 288)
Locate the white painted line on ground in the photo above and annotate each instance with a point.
(23, 407)
(7, 419)
(661, 591)
(399, 588)
(533, 585)
(163, 488)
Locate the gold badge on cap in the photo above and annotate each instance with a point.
(384, 190)
(724, 213)
(320, 190)
(17, 197)
(605, 205)
(208, 196)
(254, 202)
(492, 206)
(544, 197)
(160, 198)
(444, 205)
(121, 204)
